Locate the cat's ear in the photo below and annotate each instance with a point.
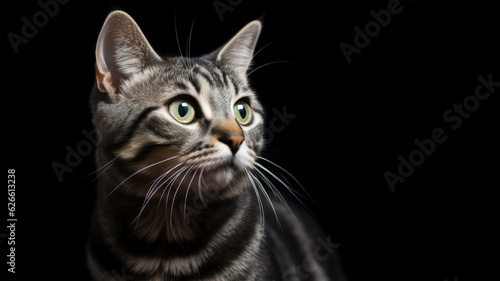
(237, 54)
(121, 51)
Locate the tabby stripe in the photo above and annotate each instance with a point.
(230, 80)
(226, 253)
(236, 87)
(206, 76)
(155, 126)
(212, 73)
(231, 212)
(205, 125)
(144, 152)
(217, 75)
(135, 124)
(231, 246)
(234, 258)
(101, 253)
(226, 82)
(181, 86)
(195, 83)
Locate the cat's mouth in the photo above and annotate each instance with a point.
(211, 169)
(222, 168)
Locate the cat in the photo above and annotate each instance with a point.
(180, 194)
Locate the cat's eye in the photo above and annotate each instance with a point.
(242, 112)
(182, 110)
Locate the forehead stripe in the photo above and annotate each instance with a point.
(181, 85)
(195, 83)
(235, 85)
(210, 73)
(208, 79)
(205, 74)
(135, 124)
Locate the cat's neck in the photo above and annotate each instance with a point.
(175, 220)
(205, 237)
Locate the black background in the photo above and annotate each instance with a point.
(352, 121)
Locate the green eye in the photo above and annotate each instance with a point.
(182, 110)
(242, 112)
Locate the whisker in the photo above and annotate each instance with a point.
(109, 163)
(188, 47)
(269, 63)
(160, 184)
(169, 183)
(203, 191)
(187, 191)
(152, 189)
(105, 167)
(147, 167)
(262, 49)
(259, 201)
(275, 190)
(259, 184)
(178, 44)
(150, 193)
(175, 194)
(288, 173)
(200, 188)
(277, 193)
(290, 189)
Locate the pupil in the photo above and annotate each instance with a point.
(183, 109)
(242, 110)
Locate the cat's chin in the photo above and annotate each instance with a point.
(228, 172)
(220, 178)
(223, 183)
(225, 174)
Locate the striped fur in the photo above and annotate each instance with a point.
(174, 199)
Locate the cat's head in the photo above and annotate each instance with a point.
(196, 117)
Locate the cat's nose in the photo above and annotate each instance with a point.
(230, 133)
(232, 140)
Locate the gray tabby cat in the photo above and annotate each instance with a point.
(179, 192)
